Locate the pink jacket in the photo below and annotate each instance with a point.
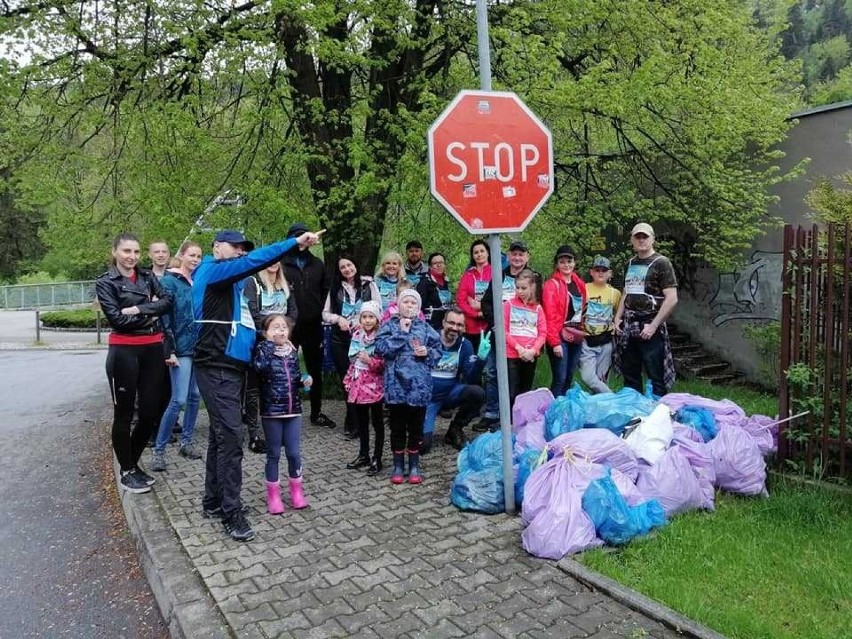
(525, 326)
(364, 383)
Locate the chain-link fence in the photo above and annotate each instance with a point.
(27, 296)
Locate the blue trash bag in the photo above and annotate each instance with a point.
(528, 461)
(486, 451)
(614, 411)
(479, 490)
(565, 414)
(649, 391)
(615, 521)
(700, 419)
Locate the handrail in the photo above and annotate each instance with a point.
(49, 295)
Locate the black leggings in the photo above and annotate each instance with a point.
(406, 424)
(340, 356)
(133, 370)
(364, 413)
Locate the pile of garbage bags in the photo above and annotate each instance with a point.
(606, 468)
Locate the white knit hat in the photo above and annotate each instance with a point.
(370, 307)
(410, 292)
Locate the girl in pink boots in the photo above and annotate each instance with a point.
(277, 364)
(365, 387)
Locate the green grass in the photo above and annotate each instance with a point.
(777, 568)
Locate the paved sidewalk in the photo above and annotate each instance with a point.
(369, 559)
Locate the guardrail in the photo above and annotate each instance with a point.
(32, 296)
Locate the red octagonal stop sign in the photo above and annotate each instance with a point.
(491, 161)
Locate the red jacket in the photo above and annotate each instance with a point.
(473, 323)
(554, 301)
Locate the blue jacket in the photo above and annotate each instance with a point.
(179, 322)
(408, 379)
(458, 364)
(279, 381)
(226, 330)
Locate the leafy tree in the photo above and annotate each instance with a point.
(136, 114)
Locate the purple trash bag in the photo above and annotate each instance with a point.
(530, 435)
(701, 460)
(764, 431)
(530, 407)
(672, 482)
(685, 432)
(738, 462)
(725, 411)
(541, 483)
(626, 487)
(561, 526)
(600, 446)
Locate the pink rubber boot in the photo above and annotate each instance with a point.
(273, 498)
(297, 497)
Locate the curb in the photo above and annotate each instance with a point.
(637, 601)
(184, 601)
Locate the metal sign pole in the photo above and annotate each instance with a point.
(497, 285)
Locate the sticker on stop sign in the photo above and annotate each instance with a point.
(491, 161)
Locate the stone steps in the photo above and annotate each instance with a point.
(692, 361)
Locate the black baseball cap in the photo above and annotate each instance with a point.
(519, 245)
(234, 237)
(296, 230)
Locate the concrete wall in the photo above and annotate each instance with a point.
(723, 303)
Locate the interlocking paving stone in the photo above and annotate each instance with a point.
(370, 559)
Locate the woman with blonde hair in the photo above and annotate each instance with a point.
(387, 278)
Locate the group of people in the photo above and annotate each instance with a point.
(228, 328)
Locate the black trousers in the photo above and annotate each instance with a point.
(251, 398)
(521, 377)
(308, 336)
(406, 424)
(340, 356)
(223, 478)
(647, 354)
(364, 413)
(136, 371)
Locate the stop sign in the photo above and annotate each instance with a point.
(490, 161)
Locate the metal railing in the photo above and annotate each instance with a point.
(32, 296)
(815, 350)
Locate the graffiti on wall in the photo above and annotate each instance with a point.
(751, 293)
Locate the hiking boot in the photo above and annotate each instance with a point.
(132, 483)
(321, 419)
(455, 436)
(188, 451)
(257, 445)
(144, 476)
(158, 461)
(216, 513)
(237, 526)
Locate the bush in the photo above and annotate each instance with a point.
(80, 318)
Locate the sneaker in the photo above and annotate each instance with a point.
(188, 451)
(132, 483)
(237, 526)
(486, 424)
(144, 476)
(216, 513)
(257, 445)
(158, 461)
(321, 419)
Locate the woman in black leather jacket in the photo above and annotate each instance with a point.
(132, 300)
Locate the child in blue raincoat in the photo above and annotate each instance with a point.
(410, 348)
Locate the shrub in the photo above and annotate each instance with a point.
(80, 318)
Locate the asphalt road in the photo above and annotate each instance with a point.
(68, 567)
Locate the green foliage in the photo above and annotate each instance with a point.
(79, 318)
(833, 204)
(776, 568)
(41, 277)
(134, 117)
(766, 338)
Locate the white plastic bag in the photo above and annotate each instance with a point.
(652, 436)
